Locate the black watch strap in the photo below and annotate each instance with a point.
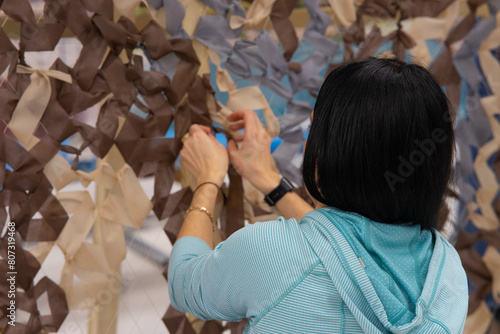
(278, 192)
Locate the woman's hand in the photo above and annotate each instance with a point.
(253, 159)
(204, 156)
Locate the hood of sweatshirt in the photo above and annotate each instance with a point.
(393, 278)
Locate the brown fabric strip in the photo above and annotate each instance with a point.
(280, 18)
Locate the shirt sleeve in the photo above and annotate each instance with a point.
(240, 277)
(200, 280)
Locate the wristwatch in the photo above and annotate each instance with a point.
(278, 192)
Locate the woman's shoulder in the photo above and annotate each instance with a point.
(273, 238)
(281, 229)
(278, 225)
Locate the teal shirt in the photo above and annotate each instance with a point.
(330, 272)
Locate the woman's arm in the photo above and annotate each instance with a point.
(207, 160)
(197, 222)
(290, 205)
(243, 276)
(253, 161)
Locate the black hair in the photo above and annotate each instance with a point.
(381, 142)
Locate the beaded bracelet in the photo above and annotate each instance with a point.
(204, 210)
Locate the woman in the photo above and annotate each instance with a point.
(368, 259)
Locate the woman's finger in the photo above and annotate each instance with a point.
(237, 125)
(239, 136)
(192, 129)
(197, 127)
(252, 117)
(250, 120)
(237, 115)
(206, 129)
(231, 146)
(247, 116)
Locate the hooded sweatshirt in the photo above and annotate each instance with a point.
(330, 272)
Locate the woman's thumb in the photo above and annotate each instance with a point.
(231, 146)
